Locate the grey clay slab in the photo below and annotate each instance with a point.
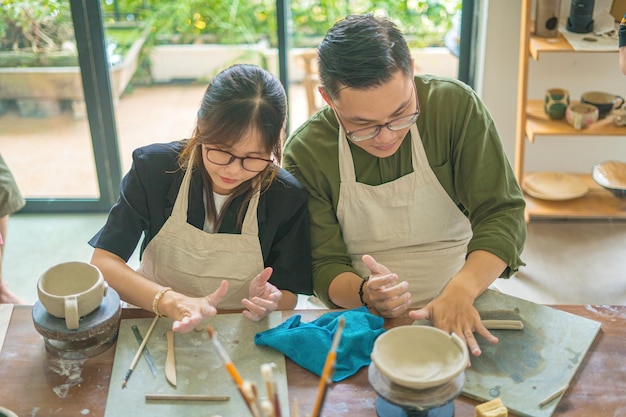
(526, 366)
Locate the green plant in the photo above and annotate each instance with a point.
(41, 33)
(424, 22)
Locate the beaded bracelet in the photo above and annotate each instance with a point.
(361, 292)
(157, 298)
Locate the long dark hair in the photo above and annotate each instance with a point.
(361, 52)
(239, 99)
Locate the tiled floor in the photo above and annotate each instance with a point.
(567, 262)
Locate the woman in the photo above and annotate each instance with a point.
(222, 223)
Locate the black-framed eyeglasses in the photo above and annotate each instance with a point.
(369, 132)
(249, 163)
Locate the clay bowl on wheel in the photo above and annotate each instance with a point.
(612, 176)
(419, 357)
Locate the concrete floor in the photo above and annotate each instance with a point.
(568, 262)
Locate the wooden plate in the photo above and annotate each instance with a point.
(556, 186)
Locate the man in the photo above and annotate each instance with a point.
(412, 200)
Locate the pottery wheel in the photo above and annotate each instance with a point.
(411, 398)
(96, 331)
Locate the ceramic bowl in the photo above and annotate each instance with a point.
(4, 412)
(605, 102)
(581, 115)
(612, 176)
(419, 357)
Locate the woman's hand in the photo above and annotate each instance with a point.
(188, 312)
(263, 297)
(388, 297)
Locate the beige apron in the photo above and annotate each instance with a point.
(410, 225)
(194, 262)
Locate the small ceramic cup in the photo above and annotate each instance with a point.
(581, 115)
(605, 102)
(71, 290)
(555, 102)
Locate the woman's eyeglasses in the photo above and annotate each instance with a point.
(249, 163)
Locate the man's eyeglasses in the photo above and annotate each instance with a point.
(249, 163)
(369, 132)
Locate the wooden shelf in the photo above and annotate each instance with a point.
(538, 123)
(539, 44)
(597, 204)
(532, 121)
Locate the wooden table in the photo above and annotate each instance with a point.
(29, 384)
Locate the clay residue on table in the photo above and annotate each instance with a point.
(71, 368)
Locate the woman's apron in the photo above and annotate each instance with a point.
(194, 262)
(410, 225)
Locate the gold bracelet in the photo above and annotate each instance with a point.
(157, 298)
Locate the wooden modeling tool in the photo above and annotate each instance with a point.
(186, 397)
(139, 351)
(170, 360)
(553, 396)
(233, 372)
(329, 369)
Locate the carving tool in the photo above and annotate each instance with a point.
(146, 352)
(138, 354)
(234, 373)
(170, 361)
(187, 397)
(329, 369)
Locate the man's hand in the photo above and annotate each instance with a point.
(386, 295)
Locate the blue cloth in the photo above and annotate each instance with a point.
(307, 344)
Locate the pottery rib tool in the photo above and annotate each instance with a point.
(329, 369)
(138, 354)
(170, 361)
(146, 352)
(503, 324)
(232, 371)
(186, 397)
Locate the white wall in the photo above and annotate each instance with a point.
(499, 22)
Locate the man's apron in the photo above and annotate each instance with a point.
(410, 225)
(194, 262)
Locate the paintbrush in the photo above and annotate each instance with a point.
(329, 369)
(139, 351)
(270, 386)
(233, 372)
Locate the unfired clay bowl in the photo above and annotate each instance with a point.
(419, 357)
(5, 412)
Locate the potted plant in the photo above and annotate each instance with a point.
(39, 62)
